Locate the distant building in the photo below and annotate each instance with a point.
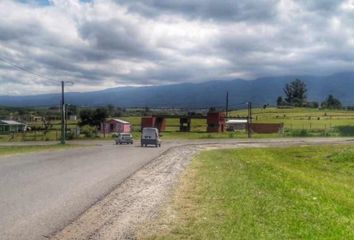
(10, 126)
(115, 126)
(154, 121)
(216, 121)
(236, 124)
(72, 117)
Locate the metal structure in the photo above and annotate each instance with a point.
(62, 109)
(63, 113)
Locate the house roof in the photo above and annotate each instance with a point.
(120, 121)
(10, 122)
(236, 121)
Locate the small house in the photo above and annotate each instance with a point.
(10, 126)
(115, 126)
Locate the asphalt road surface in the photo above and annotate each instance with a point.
(43, 192)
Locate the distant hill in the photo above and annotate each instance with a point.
(260, 91)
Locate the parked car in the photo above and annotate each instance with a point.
(124, 138)
(150, 136)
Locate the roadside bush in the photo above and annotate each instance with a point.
(209, 136)
(299, 133)
(70, 135)
(88, 131)
(345, 131)
(329, 133)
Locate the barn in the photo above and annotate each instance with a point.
(115, 126)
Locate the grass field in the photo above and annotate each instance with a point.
(297, 122)
(12, 150)
(291, 193)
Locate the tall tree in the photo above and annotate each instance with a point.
(86, 117)
(280, 101)
(93, 117)
(72, 110)
(295, 93)
(110, 110)
(99, 115)
(331, 102)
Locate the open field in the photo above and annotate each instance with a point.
(301, 122)
(286, 193)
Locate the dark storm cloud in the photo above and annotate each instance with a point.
(322, 5)
(222, 10)
(124, 40)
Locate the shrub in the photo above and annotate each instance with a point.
(299, 133)
(88, 131)
(345, 131)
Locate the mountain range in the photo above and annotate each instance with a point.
(196, 95)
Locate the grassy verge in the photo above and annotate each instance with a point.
(12, 150)
(290, 193)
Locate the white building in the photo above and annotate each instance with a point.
(236, 124)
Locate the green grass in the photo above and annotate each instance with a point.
(302, 118)
(297, 122)
(12, 150)
(290, 193)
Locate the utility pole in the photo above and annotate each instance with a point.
(62, 139)
(66, 107)
(227, 104)
(249, 122)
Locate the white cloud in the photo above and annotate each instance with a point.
(106, 43)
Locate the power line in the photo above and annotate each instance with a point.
(20, 68)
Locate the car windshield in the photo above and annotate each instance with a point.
(149, 131)
(125, 135)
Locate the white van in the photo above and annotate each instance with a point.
(150, 136)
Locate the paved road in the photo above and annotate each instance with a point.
(41, 193)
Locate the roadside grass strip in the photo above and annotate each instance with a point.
(283, 193)
(14, 150)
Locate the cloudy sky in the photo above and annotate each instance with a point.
(99, 44)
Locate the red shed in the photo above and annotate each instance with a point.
(115, 126)
(152, 121)
(216, 122)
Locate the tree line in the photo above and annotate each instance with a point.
(295, 94)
